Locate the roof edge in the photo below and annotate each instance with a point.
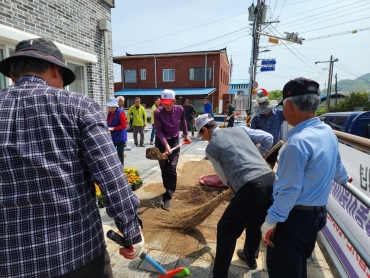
(128, 55)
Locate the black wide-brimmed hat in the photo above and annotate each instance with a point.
(43, 49)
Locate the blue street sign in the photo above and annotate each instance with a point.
(268, 62)
(267, 69)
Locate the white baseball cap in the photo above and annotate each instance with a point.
(167, 96)
(201, 121)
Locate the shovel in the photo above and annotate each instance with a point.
(154, 153)
(178, 272)
(224, 125)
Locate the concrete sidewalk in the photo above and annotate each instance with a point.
(195, 250)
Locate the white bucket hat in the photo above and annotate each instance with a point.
(265, 105)
(112, 102)
(201, 121)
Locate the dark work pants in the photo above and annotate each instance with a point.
(168, 167)
(136, 130)
(271, 159)
(230, 122)
(247, 210)
(294, 242)
(97, 268)
(120, 151)
(190, 125)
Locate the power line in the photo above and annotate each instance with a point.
(282, 9)
(216, 38)
(353, 74)
(295, 49)
(316, 9)
(345, 6)
(295, 3)
(315, 48)
(213, 47)
(177, 32)
(346, 66)
(335, 25)
(330, 19)
(338, 34)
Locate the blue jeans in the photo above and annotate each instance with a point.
(153, 133)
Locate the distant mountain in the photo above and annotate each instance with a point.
(360, 84)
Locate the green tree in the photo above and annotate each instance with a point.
(275, 94)
(350, 102)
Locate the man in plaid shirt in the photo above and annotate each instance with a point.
(54, 145)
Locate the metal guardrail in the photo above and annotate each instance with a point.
(363, 144)
(351, 238)
(353, 140)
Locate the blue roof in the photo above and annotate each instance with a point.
(323, 96)
(157, 92)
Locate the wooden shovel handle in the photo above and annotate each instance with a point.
(277, 145)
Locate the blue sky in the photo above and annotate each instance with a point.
(165, 26)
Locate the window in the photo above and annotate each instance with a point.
(130, 76)
(338, 123)
(168, 75)
(2, 77)
(198, 73)
(78, 85)
(143, 74)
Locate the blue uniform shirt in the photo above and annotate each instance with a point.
(271, 123)
(208, 109)
(309, 162)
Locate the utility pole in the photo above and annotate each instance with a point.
(328, 92)
(330, 79)
(257, 14)
(336, 81)
(257, 19)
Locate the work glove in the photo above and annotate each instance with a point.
(110, 128)
(134, 251)
(268, 231)
(228, 118)
(350, 179)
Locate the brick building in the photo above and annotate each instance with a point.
(192, 75)
(77, 27)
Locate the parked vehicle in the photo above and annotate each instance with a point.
(356, 123)
(219, 119)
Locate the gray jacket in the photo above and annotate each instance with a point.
(238, 156)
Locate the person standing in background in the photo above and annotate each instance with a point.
(230, 114)
(269, 119)
(167, 120)
(139, 121)
(156, 104)
(121, 103)
(116, 120)
(207, 107)
(190, 114)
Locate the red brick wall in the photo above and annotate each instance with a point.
(181, 65)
